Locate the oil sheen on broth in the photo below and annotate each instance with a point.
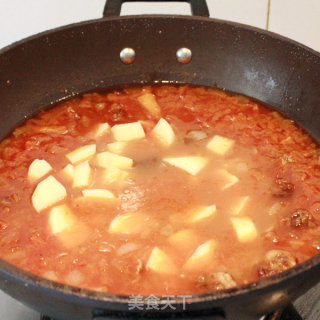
(159, 190)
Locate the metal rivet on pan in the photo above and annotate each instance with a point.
(127, 55)
(184, 55)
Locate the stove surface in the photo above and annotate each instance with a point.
(308, 307)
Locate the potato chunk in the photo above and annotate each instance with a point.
(230, 179)
(203, 213)
(160, 262)
(245, 228)
(108, 159)
(202, 257)
(238, 207)
(192, 164)
(82, 175)
(38, 169)
(220, 145)
(128, 131)
(102, 129)
(68, 170)
(275, 208)
(102, 194)
(74, 235)
(184, 239)
(47, 193)
(128, 223)
(80, 154)
(116, 147)
(60, 219)
(164, 132)
(114, 174)
(148, 101)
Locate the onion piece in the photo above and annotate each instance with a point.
(196, 135)
(75, 277)
(126, 248)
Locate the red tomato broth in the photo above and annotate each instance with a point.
(268, 148)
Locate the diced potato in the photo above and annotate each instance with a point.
(108, 159)
(245, 228)
(149, 102)
(98, 194)
(68, 170)
(160, 262)
(102, 129)
(82, 175)
(202, 257)
(164, 132)
(114, 174)
(47, 193)
(192, 164)
(220, 145)
(203, 213)
(128, 131)
(238, 207)
(128, 223)
(60, 219)
(38, 169)
(83, 153)
(74, 236)
(230, 178)
(183, 239)
(116, 147)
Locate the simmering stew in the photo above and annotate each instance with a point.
(159, 190)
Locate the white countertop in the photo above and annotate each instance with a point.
(296, 19)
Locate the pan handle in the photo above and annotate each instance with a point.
(112, 8)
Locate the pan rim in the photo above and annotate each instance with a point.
(29, 279)
(267, 33)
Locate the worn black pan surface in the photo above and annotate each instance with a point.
(58, 64)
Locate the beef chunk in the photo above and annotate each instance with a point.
(276, 261)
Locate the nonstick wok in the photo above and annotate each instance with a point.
(52, 66)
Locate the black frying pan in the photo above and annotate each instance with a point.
(58, 64)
